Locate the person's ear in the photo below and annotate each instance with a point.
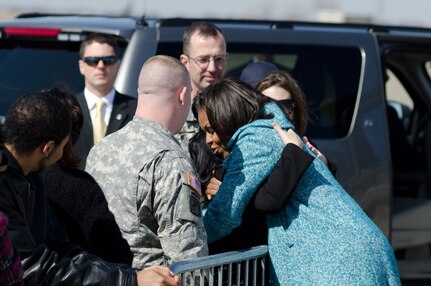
(182, 95)
(81, 64)
(183, 59)
(48, 148)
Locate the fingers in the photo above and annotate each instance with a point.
(312, 148)
(281, 132)
(309, 145)
(294, 138)
(212, 188)
(156, 275)
(287, 136)
(277, 127)
(315, 150)
(162, 270)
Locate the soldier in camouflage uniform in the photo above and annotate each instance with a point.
(190, 128)
(205, 57)
(148, 179)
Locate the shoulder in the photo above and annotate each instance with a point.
(255, 135)
(119, 97)
(80, 96)
(175, 159)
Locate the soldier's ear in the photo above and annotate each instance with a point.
(182, 96)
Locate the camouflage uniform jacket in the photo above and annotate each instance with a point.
(190, 128)
(150, 184)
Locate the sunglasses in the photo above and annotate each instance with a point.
(289, 104)
(94, 61)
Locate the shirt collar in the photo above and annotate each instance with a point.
(91, 98)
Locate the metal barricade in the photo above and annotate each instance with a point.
(236, 268)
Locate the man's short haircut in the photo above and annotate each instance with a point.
(101, 39)
(35, 119)
(204, 29)
(172, 64)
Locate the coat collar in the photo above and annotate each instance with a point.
(8, 162)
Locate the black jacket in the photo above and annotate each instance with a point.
(123, 110)
(48, 258)
(78, 203)
(274, 192)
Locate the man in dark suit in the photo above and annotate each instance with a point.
(105, 110)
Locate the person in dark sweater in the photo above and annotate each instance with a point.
(78, 202)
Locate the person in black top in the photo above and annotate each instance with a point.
(77, 200)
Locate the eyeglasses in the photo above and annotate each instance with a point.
(94, 61)
(289, 104)
(203, 62)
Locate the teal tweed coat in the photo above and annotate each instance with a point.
(321, 236)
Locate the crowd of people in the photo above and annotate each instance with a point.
(101, 188)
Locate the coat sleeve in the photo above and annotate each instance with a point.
(10, 263)
(250, 161)
(283, 179)
(57, 262)
(177, 208)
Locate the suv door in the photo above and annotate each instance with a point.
(406, 56)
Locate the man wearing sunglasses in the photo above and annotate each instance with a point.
(105, 110)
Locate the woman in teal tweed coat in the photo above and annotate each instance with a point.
(321, 236)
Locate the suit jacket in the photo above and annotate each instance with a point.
(123, 110)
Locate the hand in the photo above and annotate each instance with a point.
(157, 275)
(212, 188)
(315, 151)
(288, 136)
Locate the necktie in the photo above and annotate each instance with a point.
(99, 126)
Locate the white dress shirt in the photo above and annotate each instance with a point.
(91, 99)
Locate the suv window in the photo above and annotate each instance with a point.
(329, 77)
(29, 64)
(30, 67)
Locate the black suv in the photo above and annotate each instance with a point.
(359, 118)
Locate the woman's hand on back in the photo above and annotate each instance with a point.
(288, 136)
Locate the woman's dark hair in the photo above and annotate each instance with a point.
(206, 163)
(202, 156)
(229, 104)
(70, 158)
